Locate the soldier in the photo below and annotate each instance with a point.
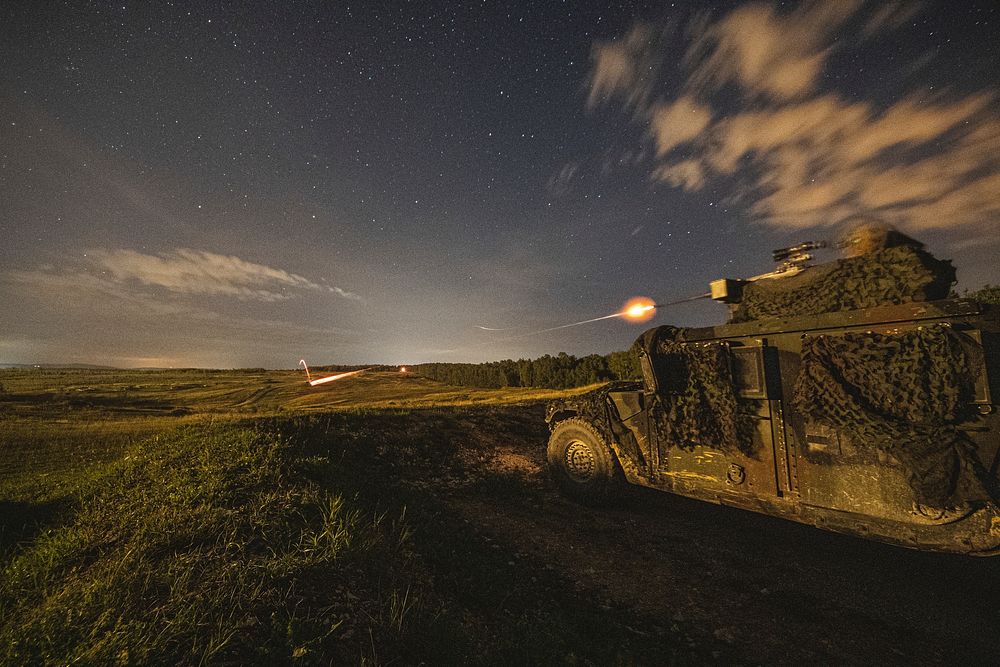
(882, 267)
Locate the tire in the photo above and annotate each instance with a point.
(581, 463)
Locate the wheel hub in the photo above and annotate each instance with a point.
(580, 462)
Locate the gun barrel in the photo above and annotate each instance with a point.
(781, 254)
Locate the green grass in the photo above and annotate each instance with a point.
(61, 427)
(188, 517)
(208, 545)
(164, 515)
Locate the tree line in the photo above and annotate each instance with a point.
(559, 372)
(985, 294)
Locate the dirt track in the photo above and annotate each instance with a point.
(674, 580)
(776, 592)
(733, 584)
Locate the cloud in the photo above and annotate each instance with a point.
(69, 314)
(189, 271)
(797, 155)
(559, 184)
(344, 293)
(677, 123)
(766, 53)
(891, 15)
(623, 67)
(687, 174)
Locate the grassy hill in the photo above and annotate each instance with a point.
(246, 517)
(243, 517)
(54, 424)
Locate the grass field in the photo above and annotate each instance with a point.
(55, 425)
(221, 517)
(244, 517)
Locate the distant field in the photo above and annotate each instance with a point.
(56, 423)
(46, 393)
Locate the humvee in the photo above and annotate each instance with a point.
(878, 421)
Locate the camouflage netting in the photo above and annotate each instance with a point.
(888, 276)
(697, 403)
(592, 406)
(905, 395)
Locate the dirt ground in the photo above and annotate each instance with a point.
(733, 585)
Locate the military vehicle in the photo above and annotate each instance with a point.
(847, 395)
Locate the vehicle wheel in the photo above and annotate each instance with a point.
(581, 463)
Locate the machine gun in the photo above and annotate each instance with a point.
(793, 260)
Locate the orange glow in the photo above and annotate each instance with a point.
(639, 309)
(402, 369)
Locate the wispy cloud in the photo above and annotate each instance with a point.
(768, 54)
(189, 271)
(892, 14)
(71, 314)
(797, 154)
(675, 123)
(624, 67)
(560, 183)
(344, 293)
(115, 306)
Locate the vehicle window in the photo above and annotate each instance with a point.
(748, 372)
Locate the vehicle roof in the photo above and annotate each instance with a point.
(908, 312)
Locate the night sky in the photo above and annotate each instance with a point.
(228, 184)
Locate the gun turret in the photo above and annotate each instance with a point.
(793, 260)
